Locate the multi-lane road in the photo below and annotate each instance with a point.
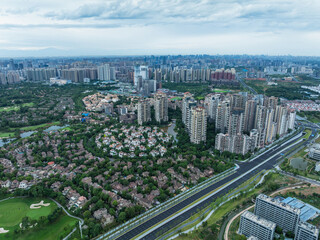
(156, 226)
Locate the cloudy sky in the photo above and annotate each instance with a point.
(139, 27)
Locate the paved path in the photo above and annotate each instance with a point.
(81, 221)
(70, 234)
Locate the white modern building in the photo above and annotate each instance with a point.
(198, 128)
(252, 225)
(282, 214)
(161, 107)
(306, 231)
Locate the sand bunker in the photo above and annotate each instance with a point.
(3, 231)
(39, 205)
(20, 225)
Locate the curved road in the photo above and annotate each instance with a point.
(267, 161)
(81, 221)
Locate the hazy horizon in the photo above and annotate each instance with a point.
(134, 27)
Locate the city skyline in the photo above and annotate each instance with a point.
(95, 28)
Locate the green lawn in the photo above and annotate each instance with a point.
(15, 107)
(6, 134)
(13, 210)
(308, 133)
(220, 91)
(32, 128)
(52, 231)
(28, 128)
(176, 98)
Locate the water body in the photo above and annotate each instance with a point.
(55, 128)
(27, 134)
(22, 135)
(3, 142)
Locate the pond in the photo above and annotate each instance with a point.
(22, 135)
(5, 141)
(299, 163)
(55, 128)
(27, 134)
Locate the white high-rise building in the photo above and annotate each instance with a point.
(140, 72)
(306, 231)
(188, 103)
(291, 119)
(104, 72)
(223, 117)
(212, 102)
(161, 107)
(284, 215)
(252, 225)
(236, 122)
(144, 113)
(198, 128)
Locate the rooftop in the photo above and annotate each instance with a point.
(259, 220)
(307, 211)
(276, 201)
(309, 227)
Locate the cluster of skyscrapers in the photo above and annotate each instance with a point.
(269, 213)
(142, 82)
(10, 78)
(243, 122)
(106, 73)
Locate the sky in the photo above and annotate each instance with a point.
(160, 27)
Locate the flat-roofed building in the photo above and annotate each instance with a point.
(282, 214)
(252, 225)
(306, 231)
(314, 152)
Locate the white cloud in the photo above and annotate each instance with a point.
(161, 27)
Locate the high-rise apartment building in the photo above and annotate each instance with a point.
(198, 125)
(236, 122)
(161, 107)
(306, 231)
(252, 225)
(188, 103)
(222, 117)
(239, 144)
(281, 117)
(282, 214)
(238, 101)
(249, 115)
(144, 113)
(104, 72)
(270, 126)
(211, 104)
